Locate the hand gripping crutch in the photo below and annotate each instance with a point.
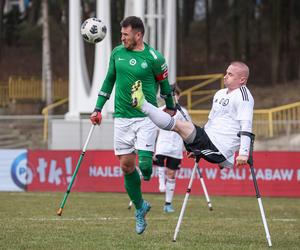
(60, 210)
(178, 107)
(188, 191)
(261, 208)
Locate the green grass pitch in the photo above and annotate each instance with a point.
(102, 221)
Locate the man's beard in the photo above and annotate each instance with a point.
(132, 45)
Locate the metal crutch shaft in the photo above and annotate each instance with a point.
(199, 171)
(60, 210)
(261, 208)
(204, 190)
(188, 191)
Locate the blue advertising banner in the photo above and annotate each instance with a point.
(14, 174)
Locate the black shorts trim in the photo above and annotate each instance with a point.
(169, 162)
(203, 147)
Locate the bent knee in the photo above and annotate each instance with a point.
(145, 163)
(184, 128)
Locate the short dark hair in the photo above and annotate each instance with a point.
(135, 22)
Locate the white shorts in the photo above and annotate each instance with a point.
(134, 133)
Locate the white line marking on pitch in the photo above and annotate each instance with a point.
(275, 219)
(73, 219)
(95, 219)
(285, 220)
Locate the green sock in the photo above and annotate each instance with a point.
(133, 188)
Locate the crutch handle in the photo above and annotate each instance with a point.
(251, 135)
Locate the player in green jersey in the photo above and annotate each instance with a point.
(134, 60)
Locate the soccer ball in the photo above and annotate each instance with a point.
(93, 30)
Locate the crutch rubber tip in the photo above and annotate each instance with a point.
(129, 207)
(210, 209)
(59, 212)
(173, 240)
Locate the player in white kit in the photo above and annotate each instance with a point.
(168, 153)
(232, 112)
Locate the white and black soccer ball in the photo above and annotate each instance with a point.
(93, 30)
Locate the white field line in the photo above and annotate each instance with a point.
(72, 219)
(96, 219)
(132, 217)
(274, 219)
(285, 220)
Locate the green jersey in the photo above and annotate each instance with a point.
(125, 68)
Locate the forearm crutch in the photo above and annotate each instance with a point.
(60, 210)
(204, 189)
(250, 162)
(178, 107)
(188, 191)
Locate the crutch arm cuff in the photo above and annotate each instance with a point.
(250, 136)
(246, 133)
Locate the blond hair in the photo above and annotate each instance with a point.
(243, 69)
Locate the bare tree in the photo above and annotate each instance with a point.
(248, 7)
(47, 70)
(34, 12)
(2, 3)
(207, 38)
(275, 40)
(236, 29)
(188, 15)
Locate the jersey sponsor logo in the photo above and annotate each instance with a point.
(144, 64)
(149, 145)
(121, 59)
(132, 62)
(223, 101)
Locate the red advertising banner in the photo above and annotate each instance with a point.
(277, 173)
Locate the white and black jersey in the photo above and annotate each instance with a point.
(169, 143)
(229, 111)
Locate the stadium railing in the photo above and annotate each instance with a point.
(4, 99)
(46, 111)
(203, 87)
(267, 123)
(279, 120)
(31, 88)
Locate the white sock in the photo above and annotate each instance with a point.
(170, 187)
(161, 179)
(160, 118)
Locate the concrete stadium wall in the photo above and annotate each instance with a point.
(72, 134)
